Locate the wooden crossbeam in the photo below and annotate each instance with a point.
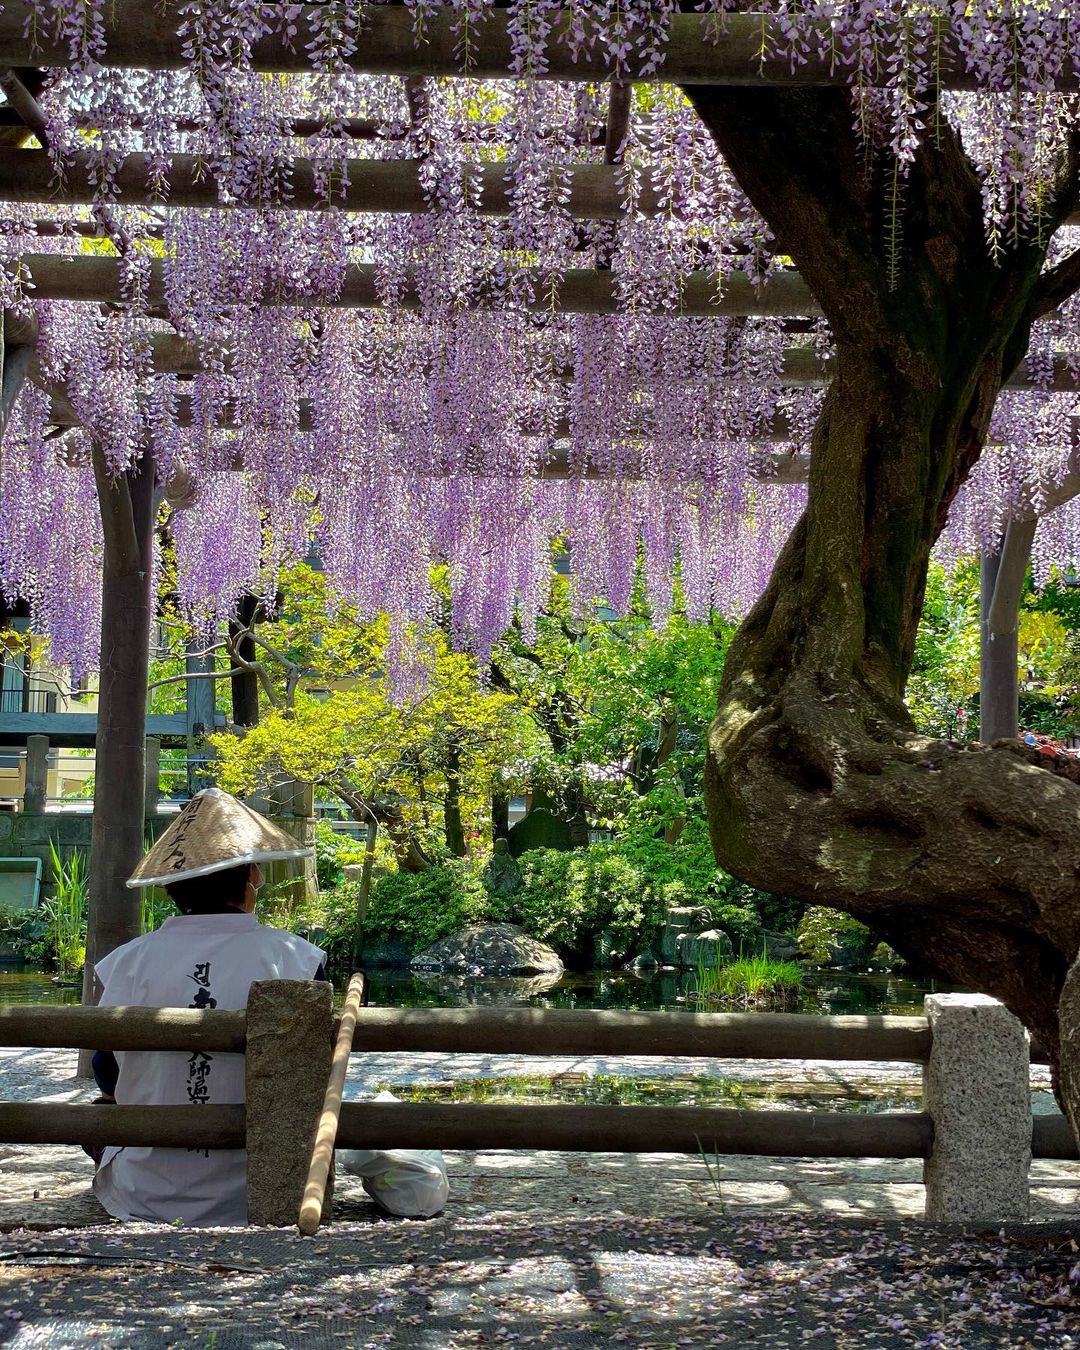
(581, 290)
(800, 368)
(388, 186)
(63, 414)
(748, 51)
(385, 186)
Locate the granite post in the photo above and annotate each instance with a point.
(289, 1028)
(36, 789)
(976, 1089)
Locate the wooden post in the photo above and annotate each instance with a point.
(365, 891)
(200, 705)
(289, 1030)
(36, 789)
(153, 777)
(128, 506)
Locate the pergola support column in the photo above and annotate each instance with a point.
(1001, 584)
(127, 514)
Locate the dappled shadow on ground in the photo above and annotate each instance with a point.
(766, 1281)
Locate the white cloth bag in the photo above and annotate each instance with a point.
(411, 1183)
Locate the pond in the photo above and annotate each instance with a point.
(824, 991)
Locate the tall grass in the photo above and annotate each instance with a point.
(65, 913)
(750, 979)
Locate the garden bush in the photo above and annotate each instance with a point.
(415, 908)
(824, 934)
(613, 895)
(333, 853)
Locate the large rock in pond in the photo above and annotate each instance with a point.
(681, 919)
(489, 949)
(711, 949)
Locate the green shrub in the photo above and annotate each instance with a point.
(418, 908)
(26, 932)
(621, 890)
(822, 929)
(333, 853)
(569, 899)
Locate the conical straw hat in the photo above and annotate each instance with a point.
(212, 832)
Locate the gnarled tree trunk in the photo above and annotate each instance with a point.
(817, 785)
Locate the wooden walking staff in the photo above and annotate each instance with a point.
(322, 1155)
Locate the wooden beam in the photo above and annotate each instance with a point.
(22, 101)
(133, 1028)
(389, 186)
(553, 1031)
(800, 368)
(749, 50)
(79, 731)
(64, 415)
(134, 1126)
(637, 1129)
(581, 291)
(16, 366)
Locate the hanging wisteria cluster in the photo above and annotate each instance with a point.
(406, 386)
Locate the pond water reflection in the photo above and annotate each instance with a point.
(823, 992)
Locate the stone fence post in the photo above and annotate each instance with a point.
(976, 1089)
(36, 789)
(287, 1065)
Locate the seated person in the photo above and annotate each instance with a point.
(207, 957)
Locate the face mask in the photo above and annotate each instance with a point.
(257, 884)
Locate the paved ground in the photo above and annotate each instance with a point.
(551, 1249)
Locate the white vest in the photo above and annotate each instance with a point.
(193, 961)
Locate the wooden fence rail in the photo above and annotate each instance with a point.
(637, 1129)
(542, 1031)
(154, 1126)
(124, 1028)
(292, 1066)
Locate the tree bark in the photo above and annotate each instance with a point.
(116, 842)
(500, 816)
(245, 683)
(453, 827)
(965, 858)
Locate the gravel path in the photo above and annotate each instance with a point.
(566, 1281)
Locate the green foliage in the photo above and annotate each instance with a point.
(156, 908)
(943, 690)
(415, 908)
(569, 899)
(65, 913)
(333, 853)
(821, 930)
(389, 759)
(619, 890)
(750, 979)
(26, 932)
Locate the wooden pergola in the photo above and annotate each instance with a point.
(144, 36)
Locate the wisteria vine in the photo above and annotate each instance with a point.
(460, 416)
